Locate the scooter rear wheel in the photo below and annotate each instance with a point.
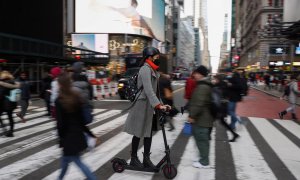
(118, 167)
(169, 171)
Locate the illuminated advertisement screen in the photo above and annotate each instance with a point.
(141, 17)
(93, 42)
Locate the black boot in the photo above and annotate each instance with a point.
(235, 136)
(9, 134)
(281, 114)
(136, 162)
(147, 162)
(294, 117)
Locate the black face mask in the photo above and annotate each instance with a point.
(157, 62)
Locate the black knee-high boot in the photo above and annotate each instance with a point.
(134, 158)
(147, 146)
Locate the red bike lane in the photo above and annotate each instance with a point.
(260, 104)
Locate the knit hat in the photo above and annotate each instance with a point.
(77, 67)
(55, 72)
(202, 70)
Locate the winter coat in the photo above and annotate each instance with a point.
(54, 92)
(25, 89)
(83, 88)
(189, 88)
(140, 118)
(71, 130)
(234, 90)
(5, 87)
(200, 105)
(293, 92)
(46, 88)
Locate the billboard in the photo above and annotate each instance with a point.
(141, 17)
(93, 42)
(291, 10)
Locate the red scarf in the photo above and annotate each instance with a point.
(153, 66)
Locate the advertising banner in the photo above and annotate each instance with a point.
(93, 42)
(140, 17)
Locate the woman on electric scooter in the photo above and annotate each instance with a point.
(142, 119)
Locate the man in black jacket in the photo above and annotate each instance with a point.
(234, 88)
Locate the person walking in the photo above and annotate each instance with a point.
(7, 83)
(25, 95)
(70, 127)
(200, 115)
(292, 95)
(221, 87)
(166, 94)
(143, 116)
(234, 88)
(190, 86)
(46, 92)
(55, 72)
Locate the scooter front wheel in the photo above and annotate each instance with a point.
(169, 171)
(118, 166)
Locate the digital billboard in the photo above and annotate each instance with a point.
(93, 42)
(141, 17)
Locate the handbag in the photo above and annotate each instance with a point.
(87, 114)
(187, 129)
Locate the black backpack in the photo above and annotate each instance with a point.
(132, 90)
(216, 100)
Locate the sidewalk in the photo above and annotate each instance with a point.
(272, 92)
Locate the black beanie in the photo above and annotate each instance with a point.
(202, 70)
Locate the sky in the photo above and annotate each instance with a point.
(216, 13)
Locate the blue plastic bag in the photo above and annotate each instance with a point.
(187, 129)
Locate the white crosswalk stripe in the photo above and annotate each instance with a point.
(36, 139)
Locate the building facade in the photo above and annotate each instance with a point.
(186, 44)
(258, 38)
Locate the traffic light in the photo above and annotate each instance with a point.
(236, 57)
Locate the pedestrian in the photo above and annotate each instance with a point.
(221, 87)
(166, 94)
(234, 88)
(190, 85)
(70, 126)
(143, 116)
(55, 72)
(7, 83)
(267, 81)
(46, 92)
(81, 83)
(25, 95)
(292, 95)
(200, 115)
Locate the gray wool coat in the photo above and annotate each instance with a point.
(293, 92)
(140, 117)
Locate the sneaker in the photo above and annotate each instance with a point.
(199, 165)
(22, 119)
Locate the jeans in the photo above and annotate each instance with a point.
(76, 159)
(231, 111)
(24, 105)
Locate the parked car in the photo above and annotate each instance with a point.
(123, 82)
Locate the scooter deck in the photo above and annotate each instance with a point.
(128, 167)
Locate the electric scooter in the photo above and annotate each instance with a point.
(169, 170)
